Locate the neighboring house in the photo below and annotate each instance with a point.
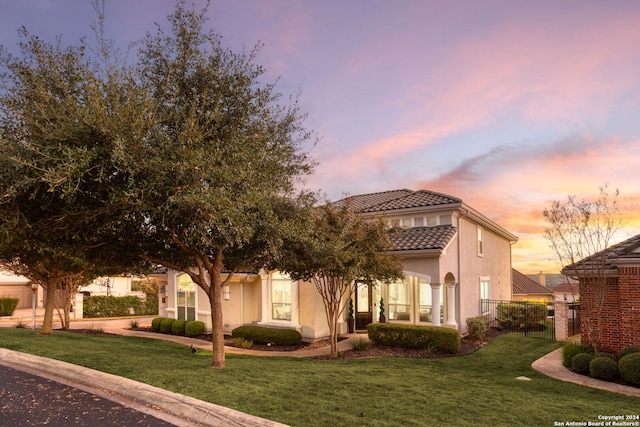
(12, 286)
(118, 286)
(526, 289)
(569, 292)
(453, 257)
(620, 316)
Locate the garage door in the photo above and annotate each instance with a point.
(23, 292)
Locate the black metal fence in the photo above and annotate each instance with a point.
(531, 319)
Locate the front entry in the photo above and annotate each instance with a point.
(364, 305)
(186, 298)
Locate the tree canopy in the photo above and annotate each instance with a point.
(185, 157)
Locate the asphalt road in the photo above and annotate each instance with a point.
(32, 400)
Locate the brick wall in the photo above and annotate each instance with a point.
(620, 320)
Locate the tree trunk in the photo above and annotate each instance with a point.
(215, 298)
(49, 303)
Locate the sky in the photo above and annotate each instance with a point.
(508, 105)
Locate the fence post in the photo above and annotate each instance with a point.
(561, 320)
(78, 305)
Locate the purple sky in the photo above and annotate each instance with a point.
(506, 104)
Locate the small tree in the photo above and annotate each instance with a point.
(338, 248)
(579, 232)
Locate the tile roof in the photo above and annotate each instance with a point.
(627, 250)
(567, 288)
(522, 285)
(423, 238)
(398, 199)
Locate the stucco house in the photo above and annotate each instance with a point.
(453, 257)
(527, 289)
(620, 316)
(569, 292)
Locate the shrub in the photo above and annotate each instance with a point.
(580, 363)
(629, 368)
(605, 355)
(20, 324)
(241, 342)
(8, 306)
(260, 334)
(134, 324)
(409, 336)
(521, 314)
(194, 328)
(360, 344)
(477, 327)
(603, 368)
(177, 327)
(112, 306)
(571, 349)
(628, 350)
(155, 324)
(165, 325)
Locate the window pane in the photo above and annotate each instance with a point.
(400, 301)
(281, 299)
(418, 221)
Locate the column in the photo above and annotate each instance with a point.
(561, 320)
(266, 298)
(451, 306)
(435, 303)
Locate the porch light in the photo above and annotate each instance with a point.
(226, 293)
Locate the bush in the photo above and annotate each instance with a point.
(571, 349)
(409, 336)
(477, 327)
(155, 323)
(112, 306)
(628, 350)
(603, 368)
(259, 334)
(629, 368)
(605, 355)
(194, 328)
(580, 363)
(515, 315)
(165, 325)
(241, 342)
(360, 345)
(8, 306)
(177, 327)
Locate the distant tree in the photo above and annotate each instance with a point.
(63, 121)
(334, 250)
(580, 230)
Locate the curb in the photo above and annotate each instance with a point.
(197, 411)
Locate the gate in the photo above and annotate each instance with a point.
(527, 318)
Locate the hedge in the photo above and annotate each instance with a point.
(516, 314)
(580, 363)
(155, 323)
(165, 325)
(571, 349)
(410, 336)
(8, 306)
(603, 368)
(627, 350)
(263, 335)
(112, 306)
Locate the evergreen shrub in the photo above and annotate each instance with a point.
(155, 323)
(628, 350)
(194, 328)
(178, 326)
(629, 367)
(165, 325)
(580, 363)
(8, 306)
(263, 335)
(603, 368)
(571, 349)
(409, 336)
(477, 327)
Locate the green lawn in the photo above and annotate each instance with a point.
(476, 390)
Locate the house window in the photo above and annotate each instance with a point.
(432, 221)
(484, 296)
(186, 297)
(280, 297)
(426, 301)
(418, 221)
(480, 247)
(405, 222)
(399, 306)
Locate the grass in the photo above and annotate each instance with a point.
(480, 389)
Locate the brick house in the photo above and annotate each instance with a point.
(610, 277)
